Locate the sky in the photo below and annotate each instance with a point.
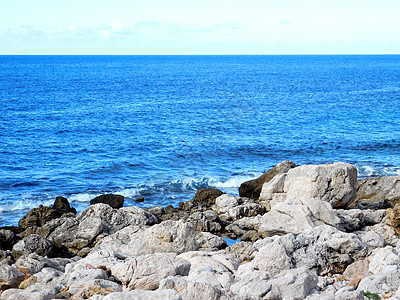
(199, 27)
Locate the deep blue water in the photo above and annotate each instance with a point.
(160, 127)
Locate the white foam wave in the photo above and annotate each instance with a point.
(84, 197)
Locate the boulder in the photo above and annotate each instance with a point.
(210, 242)
(207, 221)
(33, 244)
(43, 214)
(61, 205)
(34, 263)
(378, 192)
(168, 236)
(7, 239)
(231, 208)
(204, 199)
(252, 188)
(241, 251)
(77, 234)
(328, 250)
(115, 201)
(146, 272)
(335, 183)
(393, 215)
(38, 217)
(10, 277)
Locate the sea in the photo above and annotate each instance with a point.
(162, 127)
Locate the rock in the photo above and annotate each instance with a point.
(6, 257)
(378, 192)
(288, 217)
(385, 231)
(241, 251)
(231, 208)
(381, 283)
(328, 249)
(158, 211)
(38, 217)
(94, 260)
(43, 214)
(168, 236)
(292, 284)
(384, 260)
(7, 239)
(115, 201)
(210, 242)
(31, 294)
(145, 295)
(204, 199)
(207, 221)
(356, 271)
(371, 238)
(213, 269)
(335, 183)
(81, 232)
(84, 289)
(34, 263)
(33, 244)
(252, 188)
(10, 277)
(393, 215)
(298, 216)
(146, 272)
(61, 205)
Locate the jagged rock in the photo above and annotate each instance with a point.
(168, 236)
(78, 233)
(207, 221)
(380, 283)
(145, 295)
(214, 269)
(204, 199)
(38, 217)
(231, 208)
(6, 257)
(10, 277)
(297, 216)
(328, 249)
(115, 201)
(146, 272)
(384, 260)
(290, 284)
(252, 188)
(62, 205)
(356, 271)
(393, 215)
(378, 192)
(34, 263)
(241, 251)
(7, 239)
(335, 183)
(33, 244)
(210, 242)
(43, 214)
(35, 293)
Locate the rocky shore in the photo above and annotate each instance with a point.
(302, 232)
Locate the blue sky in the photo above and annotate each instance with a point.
(199, 27)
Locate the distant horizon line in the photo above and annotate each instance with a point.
(249, 54)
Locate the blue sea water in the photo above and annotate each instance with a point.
(160, 127)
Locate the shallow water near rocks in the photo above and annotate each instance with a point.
(161, 127)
